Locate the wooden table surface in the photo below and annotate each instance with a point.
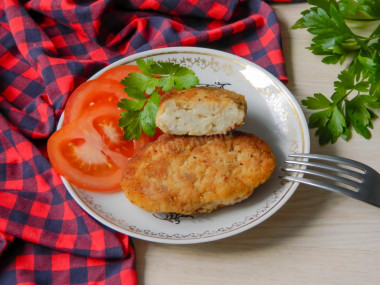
(317, 237)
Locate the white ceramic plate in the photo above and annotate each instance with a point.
(273, 114)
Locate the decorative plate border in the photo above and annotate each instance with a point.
(278, 196)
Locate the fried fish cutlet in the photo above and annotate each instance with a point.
(200, 111)
(187, 175)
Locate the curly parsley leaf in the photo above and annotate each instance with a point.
(359, 116)
(131, 124)
(148, 114)
(357, 88)
(157, 76)
(363, 8)
(319, 101)
(171, 74)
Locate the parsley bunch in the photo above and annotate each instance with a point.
(357, 90)
(145, 88)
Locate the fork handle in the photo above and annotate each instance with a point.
(374, 199)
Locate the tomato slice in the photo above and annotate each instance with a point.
(97, 91)
(91, 152)
(118, 73)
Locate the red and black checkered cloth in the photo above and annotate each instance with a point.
(47, 48)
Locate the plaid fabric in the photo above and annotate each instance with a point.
(47, 48)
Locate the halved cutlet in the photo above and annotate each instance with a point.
(187, 174)
(200, 111)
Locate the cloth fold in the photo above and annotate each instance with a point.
(47, 49)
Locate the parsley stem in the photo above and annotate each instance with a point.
(343, 98)
(361, 43)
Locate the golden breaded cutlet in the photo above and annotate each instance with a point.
(187, 175)
(200, 111)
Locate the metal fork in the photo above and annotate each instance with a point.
(361, 182)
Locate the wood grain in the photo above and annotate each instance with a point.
(318, 237)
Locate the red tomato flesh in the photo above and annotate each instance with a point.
(118, 73)
(91, 152)
(97, 91)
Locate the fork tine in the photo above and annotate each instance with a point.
(327, 167)
(335, 159)
(324, 175)
(323, 185)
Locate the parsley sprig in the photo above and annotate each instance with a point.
(157, 76)
(357, 90)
